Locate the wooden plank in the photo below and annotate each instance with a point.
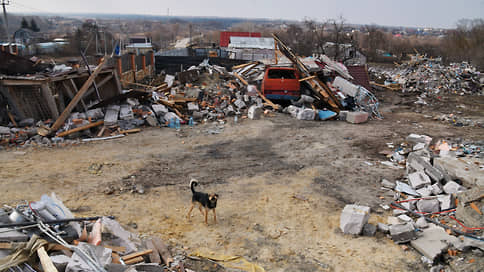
(118, 82)
(47, 94)
(88, 126)
(241, 79)
(5, 245)
(45, 261)
(184, 100)
(22, 82)
(242, 65)
(65, 114)
(306, 78)
(134, 260)
(137, 254)
(163, 250)
(12, 119)
(119, 249)
(134, 130)
(155, 255)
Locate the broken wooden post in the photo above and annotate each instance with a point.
(45, 260)
(88, 126)
(163, 250)
(47, 94)
(58, 123)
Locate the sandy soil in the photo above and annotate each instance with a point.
(282, 185)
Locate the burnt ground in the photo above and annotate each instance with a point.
(282, 183)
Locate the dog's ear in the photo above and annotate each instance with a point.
(216, 195)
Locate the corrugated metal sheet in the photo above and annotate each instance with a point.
(251, 42)
(225, 36)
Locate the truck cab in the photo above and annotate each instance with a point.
(281, 83)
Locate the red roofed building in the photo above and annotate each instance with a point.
(225, 36)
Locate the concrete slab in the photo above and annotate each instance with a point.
(431, 242)
(463, 169)
(402, 233)
(418, 179)
(353, 218)
(356, 117)
(428, 205)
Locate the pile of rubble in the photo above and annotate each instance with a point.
(438, 206)
(45, 236)
(430, 76)
(199, 94)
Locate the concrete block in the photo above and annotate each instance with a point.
(447, 202)
(428, 205)
(437, 188)
(342, 115)
(418, 179)
(405, 218)
(111, 116)
(453, 187)
(126, 112)
(357, 117)
(415, 139)
(421, 223)
(425, 191)
(353, 218)
(387, 184)
(254, 112)
(463, 169)
(419, 163)
(151, 120)
(159, 110)
(4, 130)
(464, 243)
(293, 110)
(402, 233)
(95, 113)
(369, 230)
(306, 114)
(397, 212)
(384, 228)
(405, 188)
(418, 146)
(193, 106)
(432, 241)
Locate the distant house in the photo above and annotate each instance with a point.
(347, 53)
(139, 45)
(226, 35)
(251, 48)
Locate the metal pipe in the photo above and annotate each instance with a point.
(67, 220)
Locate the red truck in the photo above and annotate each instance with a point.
(281, 83)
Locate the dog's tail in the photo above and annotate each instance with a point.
(193, 183)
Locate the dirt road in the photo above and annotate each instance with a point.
(282, 185)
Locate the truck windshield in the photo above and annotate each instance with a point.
(287, 74)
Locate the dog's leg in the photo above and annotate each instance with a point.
(214, 216)
(190, 211)
(206, 216)
(200, 208)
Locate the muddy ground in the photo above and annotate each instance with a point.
(282, 183)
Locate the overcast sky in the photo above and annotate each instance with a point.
(433, 13)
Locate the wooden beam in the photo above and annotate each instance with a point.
(65, 114)
(134, 260)
(88, 126)
(47, 94)
(45, 260)
(118, 82)
(22, 82)
(137, 254)
(306, 78)
(134, 130)
(241, 79)
(74, 87)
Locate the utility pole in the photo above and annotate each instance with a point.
(5, 20)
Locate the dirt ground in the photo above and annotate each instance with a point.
(282, 184)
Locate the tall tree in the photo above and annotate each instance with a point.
(33, 26)
(24, 23)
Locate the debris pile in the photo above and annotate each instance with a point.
(45, 236)
(438, 205)
(78, 105)
(430, 77)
